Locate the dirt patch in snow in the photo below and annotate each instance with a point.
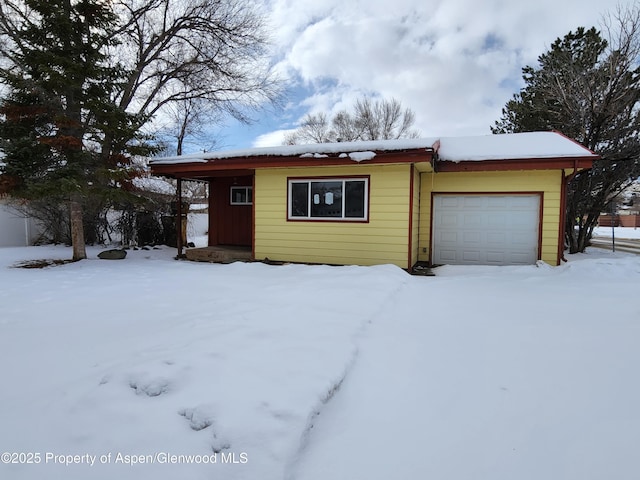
(44, 263)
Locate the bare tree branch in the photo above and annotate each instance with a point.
(211, 50)
(371, 120)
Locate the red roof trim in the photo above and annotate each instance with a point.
(209, 167)
(217, 167)
(516, 164)
(574, 141)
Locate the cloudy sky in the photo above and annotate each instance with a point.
(455, 63)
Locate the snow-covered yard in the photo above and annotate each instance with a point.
(619, 232)
(154, 368)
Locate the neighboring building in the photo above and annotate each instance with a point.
(489, 200)
(627, 209)
(16, 229)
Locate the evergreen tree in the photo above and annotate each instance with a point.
(59, 105)
(589, 89)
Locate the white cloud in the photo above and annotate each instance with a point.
(454, 63)
(271, 139)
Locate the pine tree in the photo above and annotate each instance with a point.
(589, 89)
(59, 105)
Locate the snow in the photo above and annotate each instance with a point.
(619, 232)
(511, 146)
(313, 151)
(528, 377)
(316, 372)
(361, 156)
(154, 355)
(197, 229)
(155, 185)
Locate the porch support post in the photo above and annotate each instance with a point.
(179, 218)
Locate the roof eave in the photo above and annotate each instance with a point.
(550, 163)
(213, 166)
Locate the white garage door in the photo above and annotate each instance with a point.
(485, 229)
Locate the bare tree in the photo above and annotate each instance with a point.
(344, 128)
(370, 120)
(207, 50)
(383, 119)
(189, 119)
(315, 128)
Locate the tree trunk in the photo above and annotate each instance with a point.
(579, 240)
(77, 231)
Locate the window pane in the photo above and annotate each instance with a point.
(237, 195)
(241, 195)
(354, 199)
(327, 199)
(299, 199)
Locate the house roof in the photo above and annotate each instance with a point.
(546, 148)
(356, 151)
(512, 146)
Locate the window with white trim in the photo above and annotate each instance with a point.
(329, 199)
(241, 195)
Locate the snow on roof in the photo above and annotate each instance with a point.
(313, 151)
(510, 146)
(455, 149)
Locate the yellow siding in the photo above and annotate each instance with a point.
(547, 181)
(384, 239)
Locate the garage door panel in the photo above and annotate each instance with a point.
(447, 220)
(471, 202)
(472, 220)
(471, 239)
(448, 237)
(448, 256)
(450, 202)
(471, 256)
(520, 202)
(524, 221)
(523, 239)
(485, 229)
(496, 220)
(496, 202)
(519, 259)
(497, 238)
(495, 257)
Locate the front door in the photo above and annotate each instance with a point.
(231, 210)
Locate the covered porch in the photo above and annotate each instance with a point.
(230, 217)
